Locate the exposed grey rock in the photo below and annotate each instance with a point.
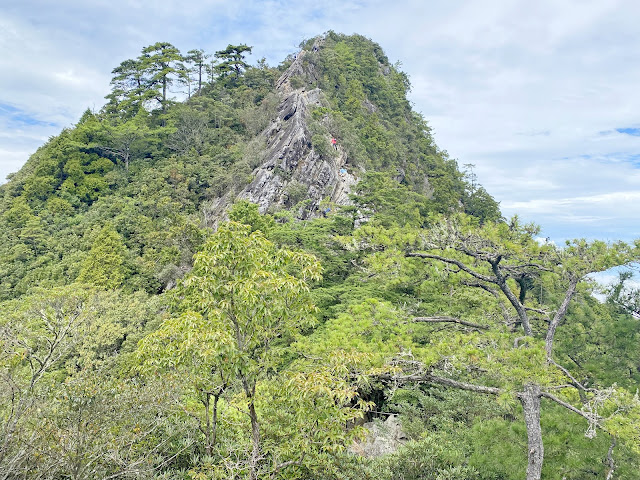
(369, 106)
(290, 160)
(301, 68)
(382, 438)
(400, 176)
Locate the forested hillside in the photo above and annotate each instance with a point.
(156, 323)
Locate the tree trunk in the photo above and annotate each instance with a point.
(207, 426)
(250, 391)
(501, 281)
(610, 462)
(530, 399)
(559, 316)
(214, 426)
(211, 421)
(164, 94)
(255, 441)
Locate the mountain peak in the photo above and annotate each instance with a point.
(298, 165)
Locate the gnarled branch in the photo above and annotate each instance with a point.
(452, 261)
(589, 416)
(446, 319)
(448, 382)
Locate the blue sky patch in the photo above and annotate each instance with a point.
(635, 160)
(16, 117)
(629, 131)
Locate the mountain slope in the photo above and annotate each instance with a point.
(160, 176)
(292, 169)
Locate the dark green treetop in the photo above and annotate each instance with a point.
(232, 60)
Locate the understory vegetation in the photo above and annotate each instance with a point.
(142, 338)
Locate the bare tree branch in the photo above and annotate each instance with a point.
(428, 378)
(445, 319)
(484, 287)
(557, 318)
(537, 310)
(574, 382)
(516, 342)
(289, 463)
(610, 462)
(589, 416)
(452, 261)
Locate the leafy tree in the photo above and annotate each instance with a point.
(36, 335)
(66, 411)
(191, 132)
(33, 234)
(389, 202)
(160, 63)
(129, 88)
(101, 426)
(126, 139)
(477, 201)
(232, 60)
(247, 213)
(194, 345)
(498, 257)
(250, 296)
(198, 59)
(622, 297)
(147, 78)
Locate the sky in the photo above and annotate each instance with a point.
(541, 97)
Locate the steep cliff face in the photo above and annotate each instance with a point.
(294, 172)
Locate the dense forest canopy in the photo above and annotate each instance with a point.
(148, 332)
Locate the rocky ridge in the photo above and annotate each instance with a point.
(293, 172)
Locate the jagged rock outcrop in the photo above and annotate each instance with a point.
(382, 438)
(293, 170)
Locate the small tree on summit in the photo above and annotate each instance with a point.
(129, 87)
(161, 63)
(198, 59)
(136, 82)
(232, 60)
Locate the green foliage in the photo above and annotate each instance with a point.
(322, 146)
(259, 368)
(198, 58)
(251, 290)
(297, 82)
(232, 60)
(145, 79)
(127, 140)
(478, 203)
(427, 459)
(390, 202)
(372, 118)
(104, 265)
(252, 297)
(247, 213)
(373, 327)
(62, 405)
